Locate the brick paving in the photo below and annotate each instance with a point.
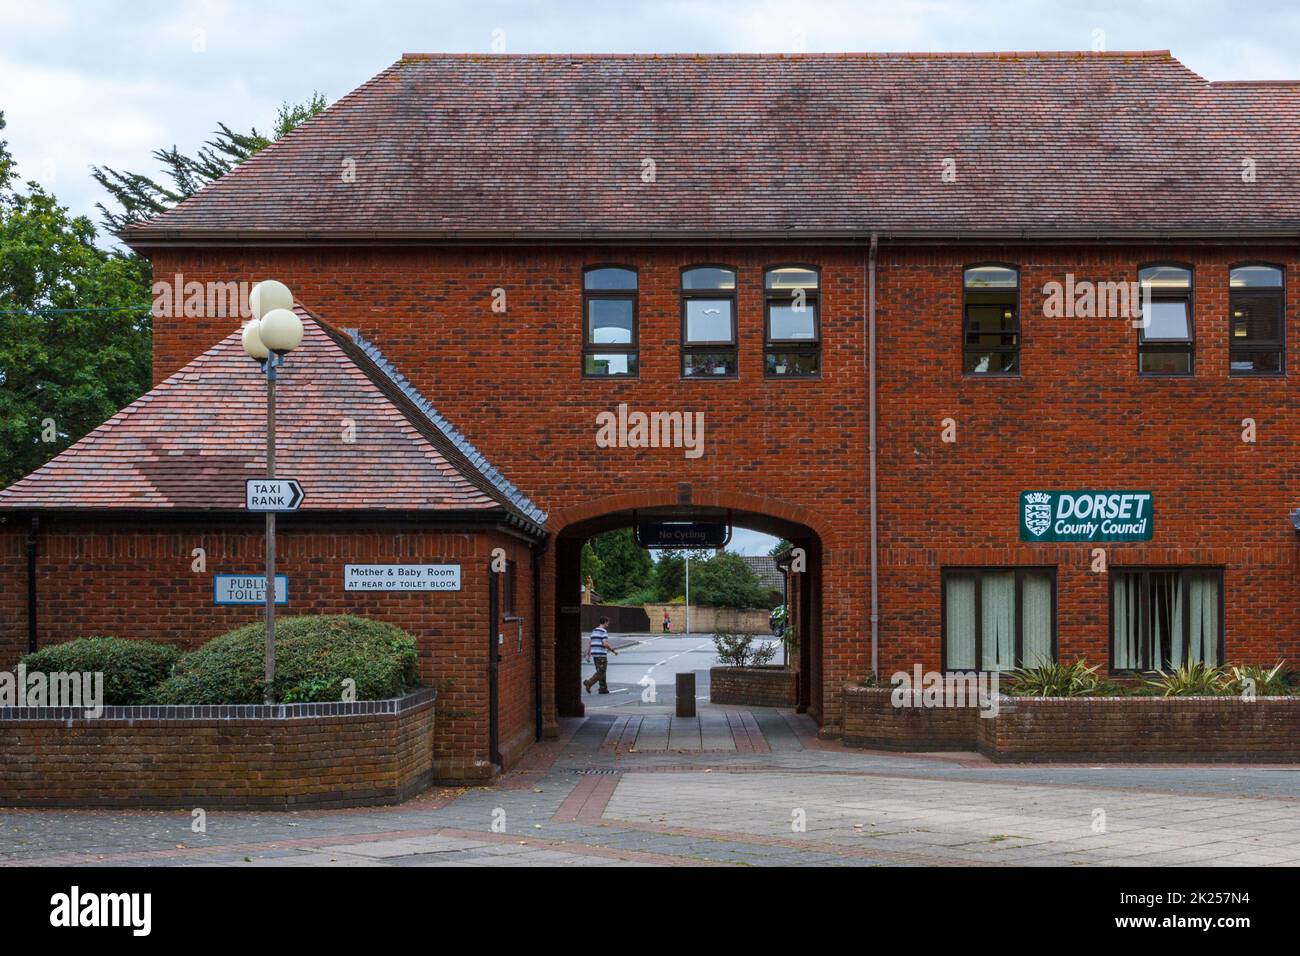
(733, 787)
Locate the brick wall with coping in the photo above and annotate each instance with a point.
(284, 757)
(101, 577)
(753, 686)
(1112, 729)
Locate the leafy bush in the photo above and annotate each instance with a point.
(726, 580)
(739, 650)
(1055, 680)
(1262, 681)
(313, 656)
(1191, 680)
(131, 668)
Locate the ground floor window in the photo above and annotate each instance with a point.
(995, 619)
(1166, 618)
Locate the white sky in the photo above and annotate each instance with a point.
(108, 82)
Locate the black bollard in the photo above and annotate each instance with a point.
(686, 694)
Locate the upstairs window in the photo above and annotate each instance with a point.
(1165, 341)
(991, 323)
(709, 322)
(792, 326)
(1256, 317)
(610, 344)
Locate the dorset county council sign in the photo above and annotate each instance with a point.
(1086, 516)
(401, 577)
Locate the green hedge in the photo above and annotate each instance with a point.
(131, 669)
(313, 656)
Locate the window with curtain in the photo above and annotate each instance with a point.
(1166, 618)
(1257, 323)
(709, 322)
(995, 619)
(792, 326)
(610, 345)
(991, 320)
(1165, 338)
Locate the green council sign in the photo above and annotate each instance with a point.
(1085, 516)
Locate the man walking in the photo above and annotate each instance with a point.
(599, 649)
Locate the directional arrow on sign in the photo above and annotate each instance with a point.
(273, 494)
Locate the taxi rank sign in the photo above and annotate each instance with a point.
(1086, 516)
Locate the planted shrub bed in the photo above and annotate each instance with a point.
(189, 730)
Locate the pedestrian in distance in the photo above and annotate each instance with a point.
(667, 621)
(600, 650)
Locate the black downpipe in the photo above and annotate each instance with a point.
(537, 639)
(31, 584)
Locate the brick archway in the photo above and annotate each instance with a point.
(574, 525)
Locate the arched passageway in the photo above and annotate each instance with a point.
(805, 592)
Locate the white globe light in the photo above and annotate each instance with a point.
(269, 295)
(252, 339)
(281, 331)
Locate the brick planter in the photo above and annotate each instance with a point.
(1113, 729)
(289, 756)
(754, 686)
(1142, 729)
(872, 721)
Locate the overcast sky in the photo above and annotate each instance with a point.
(108, 82)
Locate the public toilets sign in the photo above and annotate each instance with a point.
(1085, 516)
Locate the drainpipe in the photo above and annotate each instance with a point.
(537, 637)
(31, 584)
(871, 445)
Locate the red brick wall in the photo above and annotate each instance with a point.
(753, 686)
(255, 763)
(1078, 416)
(1130, 729)
(137, 583)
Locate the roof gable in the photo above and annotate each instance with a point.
(349, 435)
(513, 147)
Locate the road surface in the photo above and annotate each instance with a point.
(643, 677)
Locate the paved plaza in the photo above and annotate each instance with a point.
(732, 787)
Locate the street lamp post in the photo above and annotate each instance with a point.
(274, 332)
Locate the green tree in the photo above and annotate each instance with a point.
(669, 579)
(591, 563)
(74, 326)
(726, 580)
(625, 566)
(779, 547)
(142, 197)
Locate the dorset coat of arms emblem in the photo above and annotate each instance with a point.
(1038, 512)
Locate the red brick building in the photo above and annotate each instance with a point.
(929, 257)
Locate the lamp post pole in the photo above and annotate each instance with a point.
(273, 332)
(269, 366)
(688, 592)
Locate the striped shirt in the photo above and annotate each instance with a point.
(598, 642)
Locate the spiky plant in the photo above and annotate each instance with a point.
(1055, 680)
(1191, 680)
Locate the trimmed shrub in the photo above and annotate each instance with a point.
(131, 668)
(313, 656)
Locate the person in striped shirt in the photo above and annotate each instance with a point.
(600, 650)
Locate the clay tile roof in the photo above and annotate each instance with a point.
(530, 147)
(190, 442)
(766, 570)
